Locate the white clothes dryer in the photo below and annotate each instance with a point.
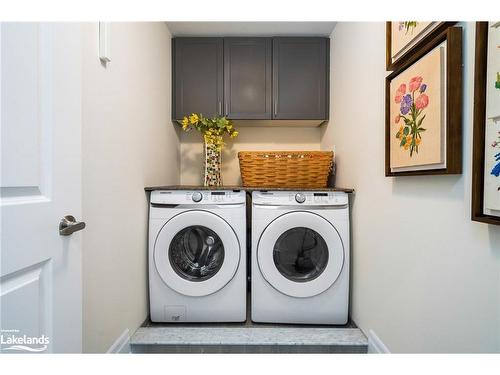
(300, 257)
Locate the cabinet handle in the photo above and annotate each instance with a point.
(220, 108)
(225, 111)
(275, 108)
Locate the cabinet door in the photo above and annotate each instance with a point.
(247, 78)
(197, 76)
(300, 78)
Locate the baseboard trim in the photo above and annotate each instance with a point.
(375, 345)
(121, 344)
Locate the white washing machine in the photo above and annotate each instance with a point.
(197, 256)
(300, 257)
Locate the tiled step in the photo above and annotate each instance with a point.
(247, 339)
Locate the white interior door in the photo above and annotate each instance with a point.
(40, 279)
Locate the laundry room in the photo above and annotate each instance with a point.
(198, 184)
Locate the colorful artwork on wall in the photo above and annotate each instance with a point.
(486, 152)
(417, 107)
(404, 33)
(423, 120)
(492, 151)
(411, 113)
(403, 36)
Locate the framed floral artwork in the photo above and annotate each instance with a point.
(423, 130)
(403, 36)
(486, 134)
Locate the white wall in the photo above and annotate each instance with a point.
(425, 277)
(249, 139)
(129, 142)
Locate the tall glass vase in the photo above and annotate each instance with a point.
(213, 165)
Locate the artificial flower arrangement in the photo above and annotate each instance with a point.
(412, 104)
(213, 130)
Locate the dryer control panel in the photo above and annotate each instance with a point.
(300, 198)
(196, 197)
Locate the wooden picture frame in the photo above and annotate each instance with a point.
(453, 108)
(479, 130)
(435, 28)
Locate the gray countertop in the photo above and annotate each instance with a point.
(240, 339)
(233, 187)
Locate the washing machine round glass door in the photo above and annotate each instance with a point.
(196, 253)
(300, 254)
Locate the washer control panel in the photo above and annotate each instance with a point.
(175, 197)
(300, 198)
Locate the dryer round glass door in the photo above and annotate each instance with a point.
(300, 254)
(196, 253)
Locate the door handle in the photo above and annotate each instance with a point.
(68, 225)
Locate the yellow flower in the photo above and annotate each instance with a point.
(418, 141)
(212, 129)
(400, 132)
(194, 118)
(408, 142)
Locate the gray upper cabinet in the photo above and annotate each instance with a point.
(247, 78)
(300, 78)
(197, 76)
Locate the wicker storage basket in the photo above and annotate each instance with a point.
(296, 169)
